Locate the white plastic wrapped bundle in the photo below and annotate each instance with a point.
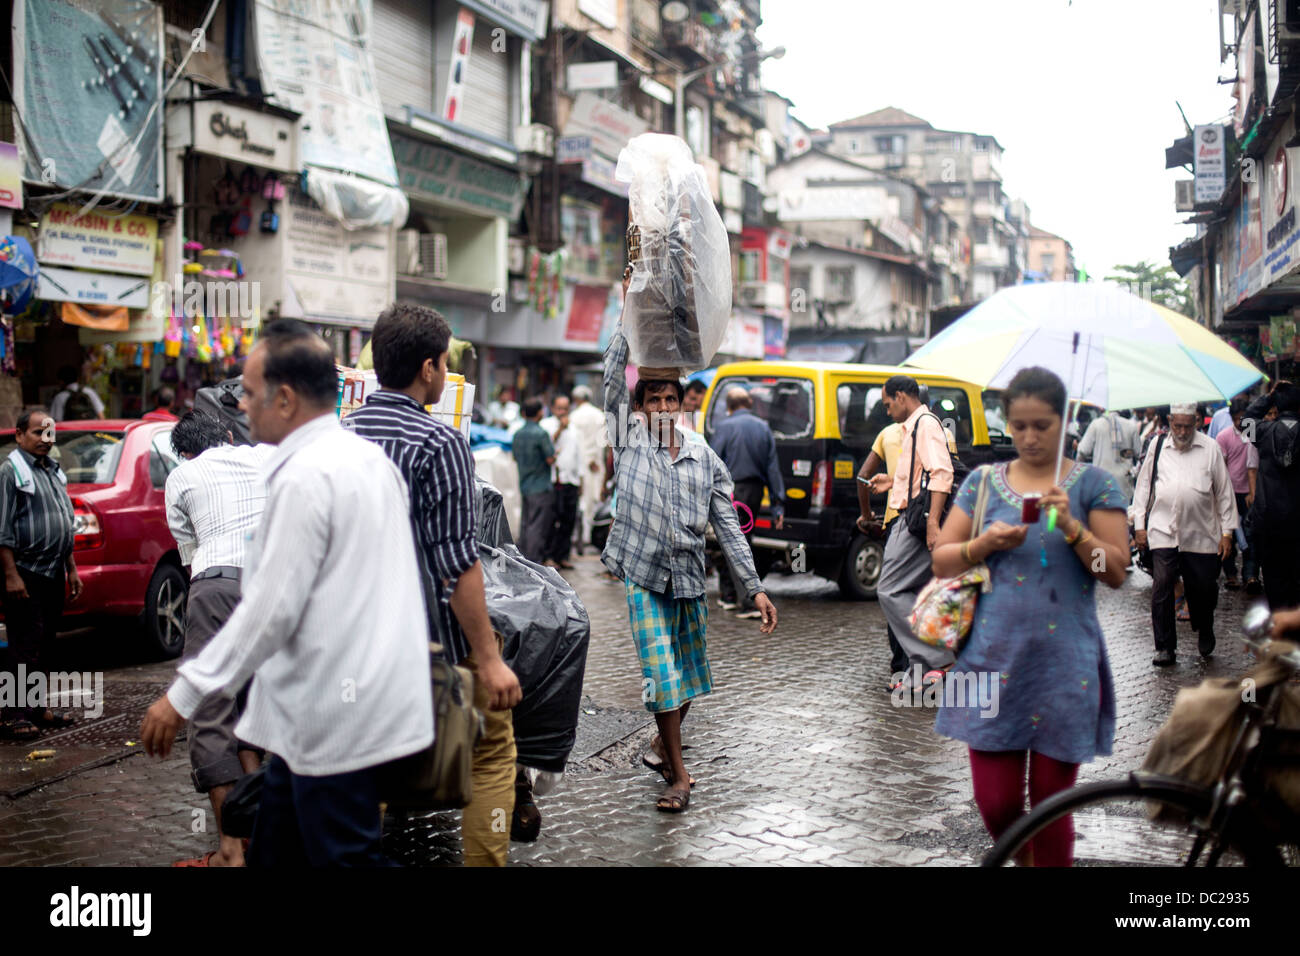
(679, 300)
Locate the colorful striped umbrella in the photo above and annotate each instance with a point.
(1112, 348)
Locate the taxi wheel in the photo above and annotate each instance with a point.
(862, 566)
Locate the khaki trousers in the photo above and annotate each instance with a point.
(485, 822)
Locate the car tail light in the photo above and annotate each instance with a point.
(86, 529)
(821, 485)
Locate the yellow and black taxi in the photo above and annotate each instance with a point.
(825, 417)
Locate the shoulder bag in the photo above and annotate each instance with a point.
(1145, 561)
(439, 777)
(916, 513)
(945, 608)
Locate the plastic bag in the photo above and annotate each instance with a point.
(546, 632)
(679, 299)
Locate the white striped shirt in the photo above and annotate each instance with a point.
(214, 504)
(331, 625)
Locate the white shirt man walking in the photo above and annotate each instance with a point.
(588, 424)
(1188, 523)
(1112, 443)
(214, 506)
(341, 677)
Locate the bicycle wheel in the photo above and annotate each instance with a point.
(1114, 826)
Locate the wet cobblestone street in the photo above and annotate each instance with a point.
(801, 756)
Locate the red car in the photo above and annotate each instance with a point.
(124, 551)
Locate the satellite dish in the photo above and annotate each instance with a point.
(675, 11)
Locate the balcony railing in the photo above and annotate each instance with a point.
(690, 38)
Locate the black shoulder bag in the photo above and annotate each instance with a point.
(916, 513)
(1145, 561)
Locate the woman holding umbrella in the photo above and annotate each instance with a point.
(1036, 632)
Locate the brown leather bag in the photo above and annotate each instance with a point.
(440, 777)
(1196, 741)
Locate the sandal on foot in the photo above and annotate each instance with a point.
(674, 800)
(1180, 610)
(19, 730)
(204, 860)
(653, 759)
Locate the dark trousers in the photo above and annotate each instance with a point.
(750, 494)
(1200, 574)
(1279, 560)
(1249, 565)
(566, 515)
(31, 624)
(317, 821)
(214, 749)
(536, 523)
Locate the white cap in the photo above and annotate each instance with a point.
(1186, 408)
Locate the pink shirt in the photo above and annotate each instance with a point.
(931, 455)
(1240, 455)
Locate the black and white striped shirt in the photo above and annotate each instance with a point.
(214, 504)
(435, 460)
(36, 526)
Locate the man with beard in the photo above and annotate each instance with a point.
(1189, 527)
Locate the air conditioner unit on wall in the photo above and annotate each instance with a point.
(433, 255)
(1184, 195)
(408, 252)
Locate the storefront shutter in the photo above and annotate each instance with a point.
(401, 45)
(487, 89)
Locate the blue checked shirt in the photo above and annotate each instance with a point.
(664, 505)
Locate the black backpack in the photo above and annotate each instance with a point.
(79, 407)
(222, 402)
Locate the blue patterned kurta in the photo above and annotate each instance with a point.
(1036, 633)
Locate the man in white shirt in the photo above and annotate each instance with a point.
(588, 423)
(1112, 444)
(566, 475)
(214, 502)
(328, 629)
(1189, 528)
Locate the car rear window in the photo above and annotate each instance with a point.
(784, 402)
(87, 458)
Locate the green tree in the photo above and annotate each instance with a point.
(1160, 284)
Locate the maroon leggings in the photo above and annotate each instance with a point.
(999, 778)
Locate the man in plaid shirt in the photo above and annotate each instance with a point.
(669, 490)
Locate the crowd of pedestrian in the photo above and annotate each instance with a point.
(324, 558)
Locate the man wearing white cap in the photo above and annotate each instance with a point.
(1188, 522)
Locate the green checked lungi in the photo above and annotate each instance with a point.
(669, 636)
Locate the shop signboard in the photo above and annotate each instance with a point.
(601, 75)
(1281, 236)
(89, 79)
(332, 273)
(608, 124)
(586, 314)
(315, 63)
(11, 177)
(97, 240)
(1250, 242)
(599, 171)
(247, 136)
(572, 149)
(430, 173)
(604, 12)
(92, 288)
(527, 18)
(1209, 163)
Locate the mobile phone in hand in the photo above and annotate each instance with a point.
(1029, 510)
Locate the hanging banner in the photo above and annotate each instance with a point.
(1209, 163)
(315, 62)
(461, 44)
(89, 86)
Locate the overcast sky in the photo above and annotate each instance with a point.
(1080, 95)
